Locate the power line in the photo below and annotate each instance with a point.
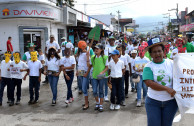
(106, 3)
(112, 6)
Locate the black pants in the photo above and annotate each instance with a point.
(6, 82)
(34, 85)
(126, 82)
(17, 83)
(116, 90)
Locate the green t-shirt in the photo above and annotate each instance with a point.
(189, 46)
(98, 65)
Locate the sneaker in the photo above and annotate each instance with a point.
(106, 99)
(117, 107)
(97, 107)
(126, 96)
(35, 101)
(133, 89)
(71, 100)
(53, 102)
(112, 106)
(17, 102)
(138, 103)
(11, 103)
(100, 108)
(31, 102)
(67, 101)
(123, 103)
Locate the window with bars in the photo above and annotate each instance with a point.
(61, 33)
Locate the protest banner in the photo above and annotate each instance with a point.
(183, 81)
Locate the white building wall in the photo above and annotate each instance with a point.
(9, 27)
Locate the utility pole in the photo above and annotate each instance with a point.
(85, 7)
(118, 20)
(177, 11)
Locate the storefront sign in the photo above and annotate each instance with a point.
(187, 27)
(29, 10)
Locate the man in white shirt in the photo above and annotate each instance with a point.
(63, 43)
(109, 48)
(52, 43)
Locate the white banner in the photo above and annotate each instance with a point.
(183, 82)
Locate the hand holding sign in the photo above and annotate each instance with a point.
(94, 35)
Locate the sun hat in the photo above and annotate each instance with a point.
(115, 52)
(52, 36)
(31, 45)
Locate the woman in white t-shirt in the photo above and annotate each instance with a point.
(68, 65)
(52, 69)
(160, 104)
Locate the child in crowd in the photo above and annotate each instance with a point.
(53, 70)
(99, 62)
(122, 58)
(34, 72)
(117, 70)
(68, 64)
(82, 70)
(138, 66)
(132, 72)
(16, 69)
(5, 78)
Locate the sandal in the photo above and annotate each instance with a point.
(84, 104)
(85, 108)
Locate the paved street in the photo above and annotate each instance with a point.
(43, 114)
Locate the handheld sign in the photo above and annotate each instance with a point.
(94, 35)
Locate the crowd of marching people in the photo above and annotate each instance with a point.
(146, 64)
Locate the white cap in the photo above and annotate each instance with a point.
(63, 38)
(134, 51)
(68, 45)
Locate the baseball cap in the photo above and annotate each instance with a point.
(133, 51)
(63, 38)
(115, 52)
(52, 36)
(99, 46)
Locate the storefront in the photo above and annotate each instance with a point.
(187, 30)
(30, 22)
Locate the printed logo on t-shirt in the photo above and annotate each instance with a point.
(162, 76)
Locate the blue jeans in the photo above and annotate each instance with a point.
(34, 83)
(69, 84)
(160, 113)
(53, 80)
(6, 82)
(105, 86)
(116, 90)
(84, 82)
(63, 53)
(132, 84)
(98, 84)
(139, 87)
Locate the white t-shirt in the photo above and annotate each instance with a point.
(68, 62)
(128, 61)
(34, 68)
(134, 47)
(41, 57)
(124, 59)
(4, 69)
(15, 70)
(53, 64)
(53, 44)
(162, 74)
(116, 69)
(109, 49)
(128, 48)
(175, 51)
(63, 43)
(140, 63)
(132, 64)
(82, 62)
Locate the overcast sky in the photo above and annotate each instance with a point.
(137, 9)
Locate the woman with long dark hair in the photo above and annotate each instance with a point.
(52, 69)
